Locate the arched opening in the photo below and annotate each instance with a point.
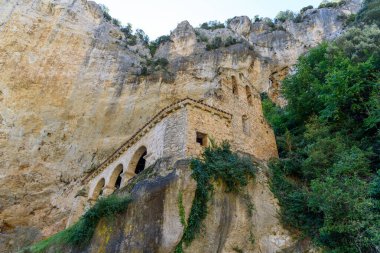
(98, 191)
(138, 161)
(234, 86)
(249, 94)
(245, 124)
(115, 180)
(140, 164)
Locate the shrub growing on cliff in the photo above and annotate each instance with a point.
(153, 45)
(81, 232)
(304, 9)
(217, 163)
(282, 16)
(370, 13)
(105, 11)
(215, 43)
(212, 25)
(230, 41)
(331, 4)
(326, 179)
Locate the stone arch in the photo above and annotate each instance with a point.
(249, 94)
(116, 179)
(235, 89)
(137, 163)
(98, 190)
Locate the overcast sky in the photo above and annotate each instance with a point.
(159, 17)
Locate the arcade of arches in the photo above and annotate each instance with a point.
(120, 175)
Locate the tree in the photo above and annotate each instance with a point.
(327, 177)
(285, 15)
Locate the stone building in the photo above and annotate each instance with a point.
(178, 131)
(182, 129)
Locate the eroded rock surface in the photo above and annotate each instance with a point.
(71, 92)
(244, 221)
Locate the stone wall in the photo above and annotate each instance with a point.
(70, 93)
(256, 138)
(214, 126)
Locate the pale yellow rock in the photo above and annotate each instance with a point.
(69, 93)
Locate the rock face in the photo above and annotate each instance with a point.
(152, 222)
(71, 91)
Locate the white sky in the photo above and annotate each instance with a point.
(159, 17)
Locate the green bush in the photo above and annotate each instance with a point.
(154, 65)
(347, 19)
(200, 37)
(215, 43)
(298, 18)
(328, 4)
(217, 162)
(116, 22)
(108, 17)
(257, 18)
(230, 41)
(80, 234)
(142, 36)
(327, 177)
(105, 11)
(370, 13)
(309, 7)
(212, 25)
(269, 22)
(153, 45)
(282, 16)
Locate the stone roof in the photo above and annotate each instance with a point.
(150, 124)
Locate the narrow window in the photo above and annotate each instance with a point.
(234, 86)
(141, 163)
(201, 138)
(245, 124)
(249, 94)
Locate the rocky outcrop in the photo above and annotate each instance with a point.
(245, 221)
(71, 91)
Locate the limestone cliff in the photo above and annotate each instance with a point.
(152, 222)
(71, 91)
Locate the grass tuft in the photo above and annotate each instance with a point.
(80, 234)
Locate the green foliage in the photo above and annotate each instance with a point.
(217, 163)
(105, 11)
(108, 17)
(257, 18)
(331, 4)
(347, 19)
(282, 16)
(269, 22)
(116, 22)
(215, 43)
(327, 177)
(370, 13)
(212, 25)
(80, 234)
(201, 37)
(154, 65)
(142, 36)
(181, 209)
(298, 18)
(230, 41)
(249, 204)
(153, 45)
(309, 7)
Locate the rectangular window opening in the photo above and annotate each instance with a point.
(201, 138)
